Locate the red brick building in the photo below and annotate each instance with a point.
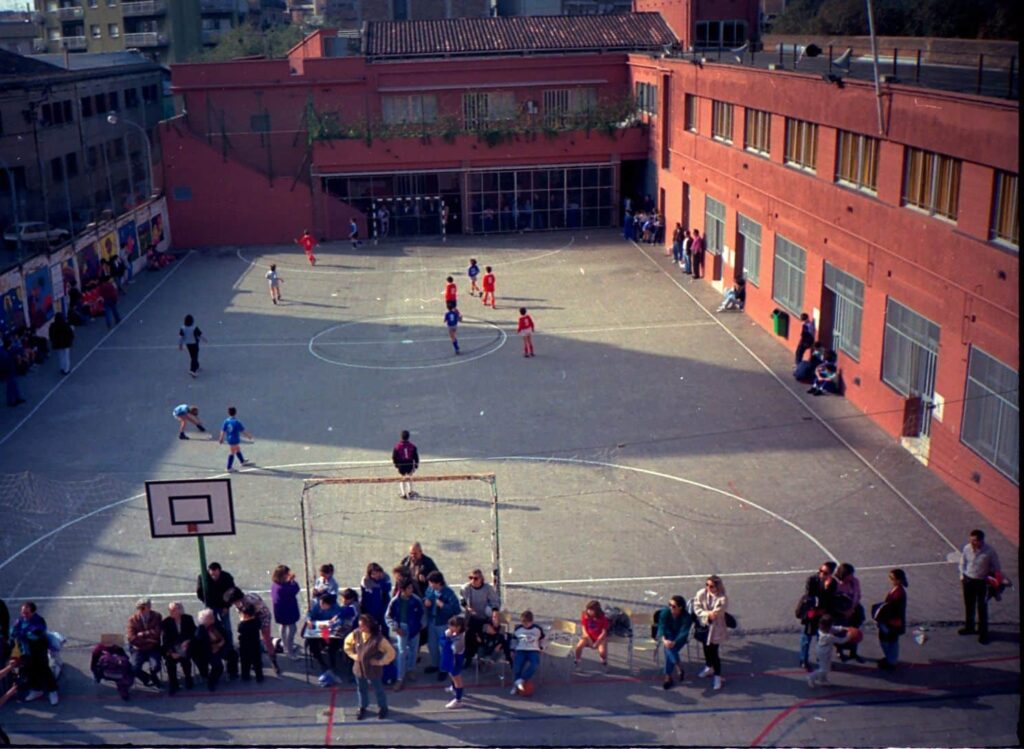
(893, 221)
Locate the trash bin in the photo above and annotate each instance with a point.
(780, 323)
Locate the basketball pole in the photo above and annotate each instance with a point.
(202, 564)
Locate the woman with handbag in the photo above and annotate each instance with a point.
(709, 608)
(891, 617)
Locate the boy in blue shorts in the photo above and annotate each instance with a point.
(232, 431)
(452, 318)
(473, 272)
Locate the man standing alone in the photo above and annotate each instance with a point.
(978, 561)
(406, 459)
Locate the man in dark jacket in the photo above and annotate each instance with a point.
(818, 600)
(61, 338)
(9, 374)
(177, 630)
(419, 566)
(218, 582)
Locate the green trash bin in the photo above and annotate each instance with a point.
(780, 323)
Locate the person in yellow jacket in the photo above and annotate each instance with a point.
(370, 651)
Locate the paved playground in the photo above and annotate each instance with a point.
(649, 443)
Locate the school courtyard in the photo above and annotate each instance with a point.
(650, 442)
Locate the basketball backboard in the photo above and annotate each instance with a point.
(193, 507)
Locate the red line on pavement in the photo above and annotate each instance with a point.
(330, 716)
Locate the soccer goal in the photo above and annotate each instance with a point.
(352, 521)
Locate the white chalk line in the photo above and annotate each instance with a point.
(469, 251)
(804, 404)
(521, 584)
(523, 458)
(383, 342)
(91, 351)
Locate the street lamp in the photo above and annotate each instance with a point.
(14, 201)
(113, 119)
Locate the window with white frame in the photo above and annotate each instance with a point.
(848, 314)
(991, 423)
(931, 182)
(714, 225)
(758, 133)
(857, 161)
(788, 275)
(801, 144)
(750, 231)
(1006, 210)
(721, 121)
(414, 108)
(561, 105)
(647, 98)
(481, 107)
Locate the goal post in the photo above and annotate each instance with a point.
(373, 523)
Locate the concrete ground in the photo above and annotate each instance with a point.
(649, 443)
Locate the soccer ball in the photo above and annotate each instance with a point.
(854, 634)
(526, 688)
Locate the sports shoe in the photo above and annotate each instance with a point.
(182, 436)
(450, 689)
(54, 698)
(716, 683)
(361, 714)
(454, 704)
(706, 672)
(33, 695)
(514, 691)
(200, 427)
(403, 495)
(382, 713)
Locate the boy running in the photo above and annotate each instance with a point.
(452, 318)
(406, 458)
(353, 232)
(233, 430)
(275, 284)
(525, 329)
(488, 288)
(186, 414)
(308, 243)
(451, 293)
(473, 272)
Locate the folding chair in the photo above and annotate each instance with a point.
(626, 639)
(555, 646)
(644, 643)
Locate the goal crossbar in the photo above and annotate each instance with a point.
(310, 483)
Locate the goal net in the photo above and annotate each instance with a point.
(352, 521)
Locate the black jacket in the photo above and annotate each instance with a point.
(61, 334)
(171, 635)
(215, 589)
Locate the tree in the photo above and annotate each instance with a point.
(246, 40)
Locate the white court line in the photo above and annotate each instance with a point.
(524, 458)
(804, 404)
(469, 252)
(91, 351)
(304, 344)
(523, 584)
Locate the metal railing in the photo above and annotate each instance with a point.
(144, 8)
(70, 14)
(218, 6)
(74, 42)
(145, 39)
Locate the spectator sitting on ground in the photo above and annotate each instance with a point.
(826, 376)
(736, 296)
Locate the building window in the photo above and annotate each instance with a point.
(758, 135)
(401, 10)
(92, 157)
(111, 3)
(86, 103)
(57, 169)
(750, 236)
(690, 106)
(150, 93)
(714, 225)
(113, 101)
(94, 3)
(413, 108)
(1006, 210)
(848, 312)
(564, 105)
(131, 97)
(721, 121)
(101, 103)
(931, 182)
(857, 161)
(96, 30)
(647, 98)
(909, 350)
(480, 107)
(113, 30)
(788, 276)
(991, 423)
(71, 165)
(259, 123)
(716, 34)
(801, 144)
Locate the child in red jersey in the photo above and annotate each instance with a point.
(308, 243)
(451, 292)
(525, 329)
(488, 288)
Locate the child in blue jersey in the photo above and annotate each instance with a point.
(452, 318)
(453, 658)
(232, 431)
(186, 414)
(473, 272)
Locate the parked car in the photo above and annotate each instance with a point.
(35, 231)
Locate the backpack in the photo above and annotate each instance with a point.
(619, 624)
